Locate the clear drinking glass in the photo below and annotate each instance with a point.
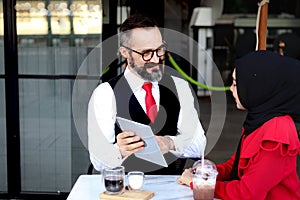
(135, 180)
(114, 180)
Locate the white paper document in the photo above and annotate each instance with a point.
(151, 152)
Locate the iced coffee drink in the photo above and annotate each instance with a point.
(204, 180)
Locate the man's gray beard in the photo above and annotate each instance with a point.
(152, 77)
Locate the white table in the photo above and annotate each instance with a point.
(165, 187)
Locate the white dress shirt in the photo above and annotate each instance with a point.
(190, 142)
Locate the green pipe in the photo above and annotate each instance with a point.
(187, 77)
(191, 80)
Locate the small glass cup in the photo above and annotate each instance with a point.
(114, 180)
(135, 180)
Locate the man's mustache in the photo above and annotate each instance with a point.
(150, 65)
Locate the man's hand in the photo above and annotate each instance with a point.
(165, 143)
(129, 143)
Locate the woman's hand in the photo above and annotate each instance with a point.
(186, 177)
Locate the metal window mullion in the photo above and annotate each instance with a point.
(12, 98)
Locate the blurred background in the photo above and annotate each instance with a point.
(45, 44)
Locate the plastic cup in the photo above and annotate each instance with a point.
(204, 180)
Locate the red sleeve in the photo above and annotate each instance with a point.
(266, 171)
(224, 169)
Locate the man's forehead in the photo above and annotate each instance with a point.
(146, 37)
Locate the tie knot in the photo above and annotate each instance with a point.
(147, 86)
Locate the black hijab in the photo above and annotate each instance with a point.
(268, 85)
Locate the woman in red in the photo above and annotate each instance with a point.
(264, 166)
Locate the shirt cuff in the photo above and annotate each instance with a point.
(177, 151)
(120, 158)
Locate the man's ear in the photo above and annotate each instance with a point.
(123, 52)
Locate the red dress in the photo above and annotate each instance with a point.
(267, 166)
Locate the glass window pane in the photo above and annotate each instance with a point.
(52, 155)
(50, 146)
(3, 154)
(45, 123)
(1, 39)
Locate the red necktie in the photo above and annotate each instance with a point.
(151, 107)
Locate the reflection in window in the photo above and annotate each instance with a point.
(54, 39)
(74, 23)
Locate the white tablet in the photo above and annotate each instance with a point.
(151, 152)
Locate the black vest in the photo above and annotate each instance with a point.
(128, 106)
(165, 123)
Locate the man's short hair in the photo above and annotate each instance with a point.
(137, 21)
(132, 22)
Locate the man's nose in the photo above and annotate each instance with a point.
(155, 58)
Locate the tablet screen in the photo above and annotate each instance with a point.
(151, 152)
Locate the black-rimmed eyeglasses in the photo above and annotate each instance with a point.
(148, 54)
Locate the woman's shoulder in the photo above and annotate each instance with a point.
(280, 131)
(281, 120)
